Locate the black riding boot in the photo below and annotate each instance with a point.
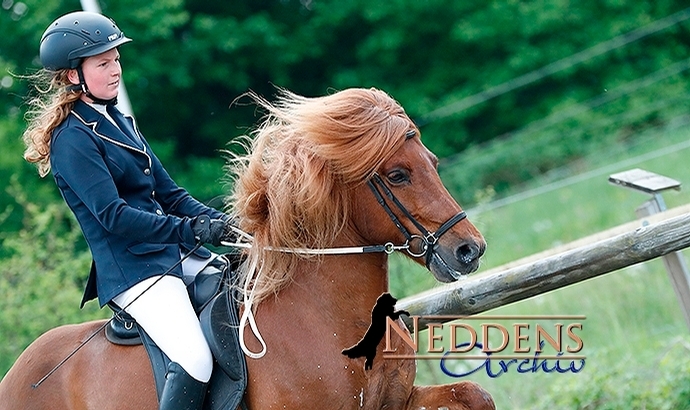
(181, 391)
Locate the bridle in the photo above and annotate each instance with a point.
(426, 240)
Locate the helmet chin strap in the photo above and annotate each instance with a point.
(85, 89)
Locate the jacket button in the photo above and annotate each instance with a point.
(153, 194)
(147, 171)
(159, 212)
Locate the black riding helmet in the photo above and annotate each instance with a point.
(75, 36)
(78, 35)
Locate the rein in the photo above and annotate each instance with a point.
(427, 239)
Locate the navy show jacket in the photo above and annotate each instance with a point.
(132, 214)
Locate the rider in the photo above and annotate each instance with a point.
(134, 217)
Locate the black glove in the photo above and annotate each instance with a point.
(207, 230)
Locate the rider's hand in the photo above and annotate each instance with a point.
(207, 230)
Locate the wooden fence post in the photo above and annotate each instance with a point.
(661, 234)
(627, 245)
(674, 262)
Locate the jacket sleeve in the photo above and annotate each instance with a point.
(174, 199)
(78, 162)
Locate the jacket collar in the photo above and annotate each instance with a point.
(127, 135)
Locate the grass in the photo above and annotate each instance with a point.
(633, 320)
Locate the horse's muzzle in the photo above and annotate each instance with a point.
(449, 265)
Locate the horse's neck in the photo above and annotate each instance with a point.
(345, 284)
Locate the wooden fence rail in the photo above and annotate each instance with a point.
(629, 244)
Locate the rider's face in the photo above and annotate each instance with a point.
(102, 74)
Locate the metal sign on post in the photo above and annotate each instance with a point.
(654, 184)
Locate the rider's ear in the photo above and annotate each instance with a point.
(73, 76)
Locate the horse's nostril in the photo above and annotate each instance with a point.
(467, 253)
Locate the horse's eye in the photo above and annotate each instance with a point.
(398, 177)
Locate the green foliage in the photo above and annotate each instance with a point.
(191, 60)
(663, 385)
(44, 267)
(13, 167)
(570, 134)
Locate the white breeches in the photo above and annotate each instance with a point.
(166, 314)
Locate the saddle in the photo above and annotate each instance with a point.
(218, 315)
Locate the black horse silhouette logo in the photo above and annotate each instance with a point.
(385, 307)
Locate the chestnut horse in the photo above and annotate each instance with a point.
(345, 172)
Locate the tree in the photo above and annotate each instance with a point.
(191, 60)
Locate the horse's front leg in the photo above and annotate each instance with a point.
(464, 395)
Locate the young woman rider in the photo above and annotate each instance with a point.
(134, 217)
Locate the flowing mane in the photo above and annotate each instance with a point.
(292, 189)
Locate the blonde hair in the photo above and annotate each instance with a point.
(292, 189)
(48, 108)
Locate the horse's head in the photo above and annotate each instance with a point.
(311, 180)
(405, 201)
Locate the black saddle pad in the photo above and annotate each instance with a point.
(122, 329)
